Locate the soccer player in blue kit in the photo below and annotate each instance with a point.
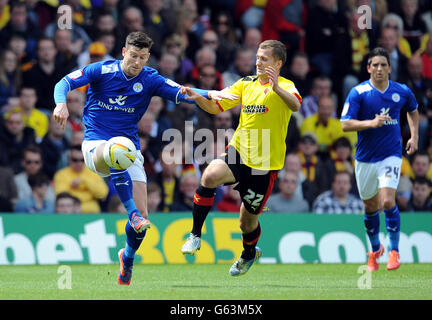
(118, 96)
(373, 109)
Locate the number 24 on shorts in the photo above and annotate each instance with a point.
(389, 170)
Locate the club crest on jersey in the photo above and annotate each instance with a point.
(137, 87)
(395, 97)
(76, 74)
(252, 108)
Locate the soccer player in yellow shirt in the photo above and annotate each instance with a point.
(255, 153)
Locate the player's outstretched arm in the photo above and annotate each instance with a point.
(209, 106)
(413, 122)
(358, 125)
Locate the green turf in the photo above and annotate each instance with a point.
(169, 282)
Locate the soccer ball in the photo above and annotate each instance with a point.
(119, 153)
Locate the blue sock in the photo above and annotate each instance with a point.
(392, 220)
(133, 241)
(123, 184)
(372, 224)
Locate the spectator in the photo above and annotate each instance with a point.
(80, 38)
(67, 52)
(81, 182)
(14, 137)
(174, 45)
(19, 22)
(96, 52)
(158, 22)
(154, 197)
(338, 200)
(161, 123)
(284, 20)
(208, 78)
(317, 172)
(75, 102)
(115, 205)
(421, 165)
(53, 145)
(420, 200)
(244, 65)
(18, 44)
(414, 25)
(394, 21)
(10, 80)
(204, 56)
(168, 66)
(252, 38)
(66, 203)
(186, 19)
(286, 200)
(224, 27)
(8, 190)
(231, 201)
(167, 180)
(326, 127)
(44, 74)
(422, 89)
(298, 71)
(224, 54)
(104, 22)
(321, 86)
(185, 198)
(149, 158)
(250, 13)
(37, 202)
(32, 117)
(342, 158)
(4, 13)
(426, 56)
(32, 162)
(353, 45)
(325, 23)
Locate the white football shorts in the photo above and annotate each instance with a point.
(373, 176)
(136, 170)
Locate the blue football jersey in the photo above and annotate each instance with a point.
(115, 102)
(365, 102)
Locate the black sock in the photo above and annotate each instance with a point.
(249, 243)
(203, 202)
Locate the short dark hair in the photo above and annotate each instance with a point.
(139, 39)
(38, 179)
(421, 180)
(278, 49)
(67, 195)
(378, 52)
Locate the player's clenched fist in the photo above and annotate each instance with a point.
(61, 114)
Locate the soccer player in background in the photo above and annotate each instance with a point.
(255, 153)
(118, 96)
(373, 109)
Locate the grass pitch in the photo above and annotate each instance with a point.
(212, 282)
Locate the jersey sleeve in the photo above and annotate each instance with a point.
(237, 89)
(83, 76)
(351, 106)
(290, 87)
(166, 88)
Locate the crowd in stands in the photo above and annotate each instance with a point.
(210, 45)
